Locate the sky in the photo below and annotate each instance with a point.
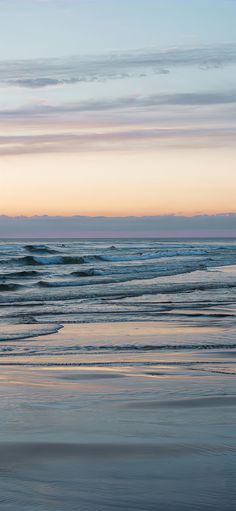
(117, 108)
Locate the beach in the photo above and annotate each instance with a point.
(117, 255)
(107, 411)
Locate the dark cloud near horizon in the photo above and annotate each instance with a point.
(40, 73)
(59, 226)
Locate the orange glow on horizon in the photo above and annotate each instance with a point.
(109, 183)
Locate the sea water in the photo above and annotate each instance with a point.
(117, 374)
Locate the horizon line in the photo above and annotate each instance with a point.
(160, 215)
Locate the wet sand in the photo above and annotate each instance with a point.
(132, 431)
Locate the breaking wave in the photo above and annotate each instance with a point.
(151, 255)
(11, 333)
(44, 261)
(9, 287)
(40, 249)
(20, 274)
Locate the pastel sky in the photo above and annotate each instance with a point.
(117, 107)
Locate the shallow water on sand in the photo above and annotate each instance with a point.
(154, 430)
(134, 412)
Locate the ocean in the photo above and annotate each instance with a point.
(118, 364)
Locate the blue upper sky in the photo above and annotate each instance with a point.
(43, 29)
(67, 27)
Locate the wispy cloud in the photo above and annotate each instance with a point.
(197, 119)
(126, 139)
(40, 73)
(126, 102)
